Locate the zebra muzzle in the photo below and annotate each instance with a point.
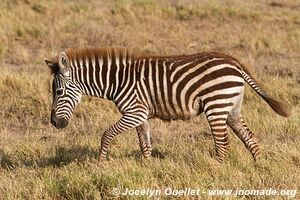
(59, 123)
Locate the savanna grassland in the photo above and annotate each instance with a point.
(41, 162)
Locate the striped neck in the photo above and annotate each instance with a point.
(100, 76)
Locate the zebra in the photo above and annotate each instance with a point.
(167, 87)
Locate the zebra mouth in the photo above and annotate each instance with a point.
(59, 123)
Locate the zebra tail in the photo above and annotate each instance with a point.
(279, 107)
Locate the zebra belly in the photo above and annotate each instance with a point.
(195, 109)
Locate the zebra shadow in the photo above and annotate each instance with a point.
(66, 155)
(62, 156)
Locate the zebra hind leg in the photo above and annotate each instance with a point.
(239, 127)
(220, 136)
(144, 139)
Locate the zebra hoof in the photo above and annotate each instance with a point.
(101, 159)
(220, 159)
(147, 157)
(256, 157)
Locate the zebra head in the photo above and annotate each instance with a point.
(66, 93)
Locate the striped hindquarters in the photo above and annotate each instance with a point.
(181, 88)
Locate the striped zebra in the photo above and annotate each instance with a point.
(166, 87)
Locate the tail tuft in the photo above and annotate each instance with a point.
(277, 106)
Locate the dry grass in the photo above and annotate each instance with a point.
(40, 162)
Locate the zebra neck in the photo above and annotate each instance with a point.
(101, 78)
(91, 88)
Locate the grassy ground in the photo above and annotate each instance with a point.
(40, 162)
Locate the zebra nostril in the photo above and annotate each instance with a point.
(63, 123)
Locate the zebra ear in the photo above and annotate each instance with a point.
(63, 62)
(53, 66)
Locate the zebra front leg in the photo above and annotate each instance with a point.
(220, 136)
(145, 139)
(128, 121)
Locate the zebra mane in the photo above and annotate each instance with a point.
(104, 53)
(122, 52)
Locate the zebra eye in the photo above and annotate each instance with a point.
(59, 91)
